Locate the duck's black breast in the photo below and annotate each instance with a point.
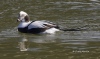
(36, 30)
(33, 30)
(23, 30)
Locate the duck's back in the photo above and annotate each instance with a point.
(36, 24)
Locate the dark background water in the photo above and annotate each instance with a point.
(63, 45)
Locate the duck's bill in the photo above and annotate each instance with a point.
(18, 20)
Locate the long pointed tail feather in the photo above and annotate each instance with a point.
(75, 29)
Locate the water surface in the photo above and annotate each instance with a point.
(63, 45)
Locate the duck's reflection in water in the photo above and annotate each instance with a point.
(24, 42)
(44, 39)
(22, 45)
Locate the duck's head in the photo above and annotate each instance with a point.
(23, 17)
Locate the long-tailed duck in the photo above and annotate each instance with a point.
(35, 27)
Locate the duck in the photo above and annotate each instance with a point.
(35, 27)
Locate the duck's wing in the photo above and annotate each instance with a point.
(49, 24)
(43, 24)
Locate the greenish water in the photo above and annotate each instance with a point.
(63, 45)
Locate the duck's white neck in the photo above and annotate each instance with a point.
(23, 24)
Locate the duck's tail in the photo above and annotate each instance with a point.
(75, 29)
